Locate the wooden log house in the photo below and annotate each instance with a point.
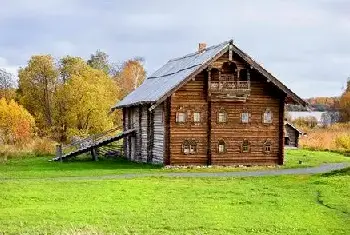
(216, 106)
(291, 135)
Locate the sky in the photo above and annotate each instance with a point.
(305, 44)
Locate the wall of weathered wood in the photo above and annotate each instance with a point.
(293, 136)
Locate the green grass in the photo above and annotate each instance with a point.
(35, 201)
(40, 167)
(266, 205)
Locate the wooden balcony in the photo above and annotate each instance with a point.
(230, 86)
(237, 90)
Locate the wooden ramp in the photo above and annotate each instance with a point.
(90, 144)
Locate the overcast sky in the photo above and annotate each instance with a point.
(305, 44)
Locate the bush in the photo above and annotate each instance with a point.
(343, 142)
(43, 146)
(16, 123)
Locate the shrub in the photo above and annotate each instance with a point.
(343, 141)
(16, 123)
(43, 146)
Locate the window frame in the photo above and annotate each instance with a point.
(194, 117)
(189, 147)
(222, 112)
(247, 120)
(264, 116)
(181, 112)
(268, 144)
(245, 144)
(222, 143)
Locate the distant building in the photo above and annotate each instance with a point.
(291, 135)
(323, 118)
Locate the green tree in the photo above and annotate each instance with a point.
(99, 61)
(37, 84)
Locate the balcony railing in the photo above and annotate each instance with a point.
(230, 86)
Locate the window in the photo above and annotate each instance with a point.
(221, 147)
(189, 147)
(180, 117)
(245, 146)
(222, 116)
(245, 117)
(267, 117)
(267, 146)
(196, 117)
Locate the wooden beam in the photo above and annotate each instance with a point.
(167, 115)
(281, 132)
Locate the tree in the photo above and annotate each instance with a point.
(345, 104)
(99, 61)
(16, 123)
(37, 84)
(131, 76)
(88, 96)
(7, 85)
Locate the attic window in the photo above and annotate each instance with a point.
(245, 146)
(267, 116)
(189, 147)
(267, 146)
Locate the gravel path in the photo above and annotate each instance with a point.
(297, 171)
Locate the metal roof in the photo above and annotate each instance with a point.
(163, 81)
(169, 76)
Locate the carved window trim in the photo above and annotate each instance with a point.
(222, 147)
(245, 148)
(222, 116)
(181, 116)
(267, 147)
(189, 147)
(197, 117)
(267, 116)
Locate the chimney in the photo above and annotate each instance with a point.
(201, 46)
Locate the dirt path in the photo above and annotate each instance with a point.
(298, 171)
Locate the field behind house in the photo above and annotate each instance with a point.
(334, 138)
(35, 200)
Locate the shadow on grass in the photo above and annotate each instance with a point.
(342, 172)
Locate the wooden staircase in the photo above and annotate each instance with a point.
(95, 144)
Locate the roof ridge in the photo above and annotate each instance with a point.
(197, 52)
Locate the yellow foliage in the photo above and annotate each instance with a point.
(334, 138)
(16, 123)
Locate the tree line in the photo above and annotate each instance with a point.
(66, 97)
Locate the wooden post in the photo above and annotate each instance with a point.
(94, 154)
(59, 152)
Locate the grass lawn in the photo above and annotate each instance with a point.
(308, 204)
(40, 167)
(267, 205)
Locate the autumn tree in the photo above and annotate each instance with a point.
(37, 84)
(16, 123)
(131, 76)
(7, 85)
(345, 104)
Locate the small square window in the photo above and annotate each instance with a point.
(222, 117)
(245, 117)
(196, 117)
(181, 117)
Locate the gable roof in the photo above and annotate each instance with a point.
(178, 71)
(294, 127)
